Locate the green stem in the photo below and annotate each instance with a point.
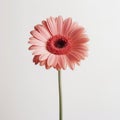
(60, 95)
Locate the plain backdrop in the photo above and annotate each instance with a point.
(90, 92)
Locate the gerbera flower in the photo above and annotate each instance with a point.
(58, 43)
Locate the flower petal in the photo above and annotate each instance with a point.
(73, 27)
(40, 51)
(42, 62)
(37, 35)
(44, 56)
(57, 67)
(80, 40)
(54, 24)
(76, 34)
(34, 41)
(84, 40)
(51, 60)
(44, 23)
(70, 63)
(36, 59)
(73, 56)
(59, 21)
(66, 25)
(47, 67)
(36, 52)
(33, 47)
(62, 61)
(51, 26)
(45, 33)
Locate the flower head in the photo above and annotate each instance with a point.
(58, 43)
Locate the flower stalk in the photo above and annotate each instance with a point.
(60, 95)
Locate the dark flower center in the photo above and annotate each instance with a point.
(60, 43)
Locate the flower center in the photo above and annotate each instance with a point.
(58, 45)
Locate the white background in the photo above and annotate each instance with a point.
(90, 92)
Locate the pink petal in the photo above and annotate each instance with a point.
(54, 24)
(42, 63)
(59, 21)
(80, 41)
(32, 38)
(76, 34)
(79, 52)
(84, 40)
(73, 56)
(51, 26)
(57, 67)
(33, 47)
(36, 59)
(47, 67)
(45, 33)
(83, 54)
(36, 42)
(73, 27)
(37, 35)
(66, 25)
(82, 47)
(44, 23)
(77, 55)
(51, 60)
(44, 56)
(39, 51)
(36, 52)
(70, 63)
(56, 60)
(62, 61)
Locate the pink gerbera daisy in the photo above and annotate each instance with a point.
(58, 43)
